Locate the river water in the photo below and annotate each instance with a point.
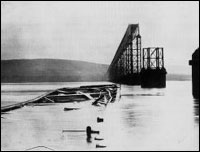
(143, 119)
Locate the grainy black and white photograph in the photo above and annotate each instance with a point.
(100, 75)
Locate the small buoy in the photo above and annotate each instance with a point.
(98, 138)
(100, 146)
(99, 119)
(69, 109)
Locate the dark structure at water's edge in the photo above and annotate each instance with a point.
(153, 78)
(195, 73)
(134, 66)
(153, 73)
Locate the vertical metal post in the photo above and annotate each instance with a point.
(158, 58)
(156, 49)
(124, 54)
(137, 48)
(118, 68)
(127, 66)
(124, 70)
(122, 65)
(131, 49)
(148, 58)
(140, 51)
(128, 49)
(143, 57)
(125, 62)
(162, 58)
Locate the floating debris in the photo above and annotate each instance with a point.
(100, 146)
(101, 94)
(69, 109)
(98, 138)
(99, 119)
(74, 131)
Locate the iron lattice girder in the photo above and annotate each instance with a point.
(127, 59)
(153, 57)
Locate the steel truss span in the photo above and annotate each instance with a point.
(126, 64)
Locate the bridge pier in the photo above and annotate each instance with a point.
(132, 66)
(153, 78)
(195, 74)
(153, 73)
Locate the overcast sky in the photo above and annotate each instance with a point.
(92, 31)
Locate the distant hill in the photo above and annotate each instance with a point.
(56, 70)
(51, 70)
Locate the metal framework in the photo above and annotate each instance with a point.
(153, 58)
(127, 60)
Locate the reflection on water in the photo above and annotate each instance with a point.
(143, 119)
(157, 94)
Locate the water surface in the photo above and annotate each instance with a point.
(143, 119)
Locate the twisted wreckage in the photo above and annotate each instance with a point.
(100, 95)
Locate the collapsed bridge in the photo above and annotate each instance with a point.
(136, 66)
